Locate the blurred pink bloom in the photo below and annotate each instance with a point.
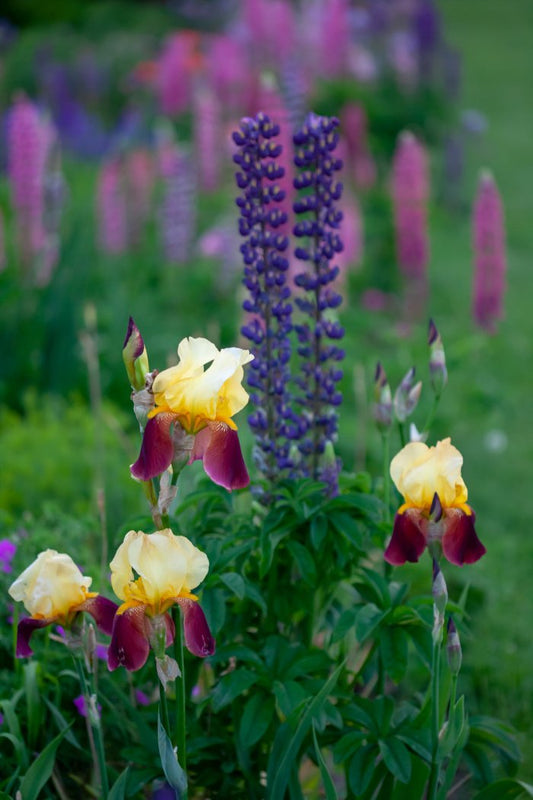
(271, 26)
(111, 207)
(229, 71)
(207, 130)
(490, 262)
(335, 37)
(28, 139)
(351, 233)
(176, 65)
(140, 175)
(410, 192)
(354, 126)
(3, 262)
(375, 300)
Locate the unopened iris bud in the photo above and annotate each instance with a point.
(438, 373)
(382, 400)
(439, 590)
(135, 357)
(453, 648)
(407, 396)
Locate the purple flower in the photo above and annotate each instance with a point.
(490, 261)
(81, 705)
(265, 276)
(318, 224)
(7, 552)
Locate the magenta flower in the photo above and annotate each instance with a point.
(490, 262)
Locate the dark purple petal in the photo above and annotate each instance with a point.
(129, 646)
(133, 343)
(102, 611)
(219, 448)
(25, 629)
(198, 638)
(408, 539)
(157, 449)
(460, 543)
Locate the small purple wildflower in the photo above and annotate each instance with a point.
(265, 276)
(142, 698)
(81, 705)
(7, 553)
(318, 224)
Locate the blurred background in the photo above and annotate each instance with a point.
(117, 198)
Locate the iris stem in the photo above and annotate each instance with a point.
(386, 475)
(435, 717)
(94, 727)
(180, 689)
(163, 707)
(432, 412)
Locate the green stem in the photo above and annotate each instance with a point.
(435, 719)
(432, 412)
(386, 475)
(180, 690)
(401, 431)
(94, 722)
(163, 707)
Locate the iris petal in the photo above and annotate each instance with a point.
(460, 542)
(408, 540)
(102, 611)
(129, 646)
(219, 448)
(25, 629)
(157, 449)
(198, 638)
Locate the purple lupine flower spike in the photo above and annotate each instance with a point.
(265, 276)
(318, 225)
(490, 262)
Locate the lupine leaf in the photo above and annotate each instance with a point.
(368, 620)
(397, 758)
(362, 768)
(234, 582)
(257, 715)
(231, 686)
(287, 742)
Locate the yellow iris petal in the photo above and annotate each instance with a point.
(418, 471)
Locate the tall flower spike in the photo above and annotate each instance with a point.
(410, 194)
(268, 306)
(490, 263)
(318, 224)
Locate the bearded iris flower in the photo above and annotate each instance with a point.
(150, 573)
(193, 414)
(435, 511)
(53, 590)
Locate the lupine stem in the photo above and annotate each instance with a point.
(94, 726)
(180, 690)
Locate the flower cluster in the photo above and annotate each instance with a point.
(149, 573)
(265, 276)
(318, 224)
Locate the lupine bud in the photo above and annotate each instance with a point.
(438, 373)
(407, 396)
(135, 357)
(382, 408)
(490, 262)
(453, 648)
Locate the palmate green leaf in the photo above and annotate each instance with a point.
(393, 645)
(345, 623)
(347, 745)
(231, 686)
(397, 758)
(174, 773)
(373, 587)
(318, 530)
(505, 789)
(288, 740)
(303, 561)
(351, 529)
(327, 780)
(289, 695)
(41, 769)
(235, 583)
(362, 768)
(214, 607)
(368, 620)
(257, 716)
(118, 790)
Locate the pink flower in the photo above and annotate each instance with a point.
(490, 262)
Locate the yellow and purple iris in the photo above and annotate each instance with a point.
(53, 589)
(435, 510)
(191, 401)
(150, 573)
